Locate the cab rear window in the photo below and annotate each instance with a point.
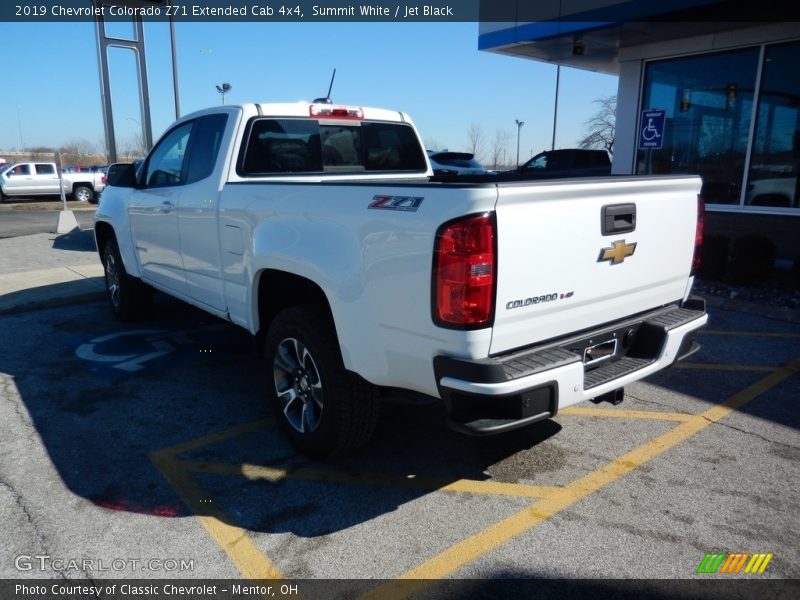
(305, 146)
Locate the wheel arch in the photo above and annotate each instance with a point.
(103, 231)
(278, 290)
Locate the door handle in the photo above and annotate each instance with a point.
(167, 207)
(618, 218)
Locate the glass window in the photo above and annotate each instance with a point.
(775, 159)
(206, 140)
(306, 146)
(341, 146)
(165, 164)
(708, 101)
(45, 169)
(283, 146)
(392, 147)
(537, 162)
(20, 170)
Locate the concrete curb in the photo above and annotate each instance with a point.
(46, 288)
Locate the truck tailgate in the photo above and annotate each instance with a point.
(566, 259)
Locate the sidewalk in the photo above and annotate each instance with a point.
(47, 269)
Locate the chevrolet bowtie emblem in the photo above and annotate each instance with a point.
(618, 251)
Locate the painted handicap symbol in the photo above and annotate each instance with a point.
(130, 350)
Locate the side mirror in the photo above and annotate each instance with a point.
(121, 175)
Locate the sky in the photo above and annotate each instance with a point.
(432, 71)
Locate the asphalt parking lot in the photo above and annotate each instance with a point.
(148, 450)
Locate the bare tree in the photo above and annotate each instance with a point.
(40, 152)
(78, 152)
(133, 146)
(501, 138)
(599, 132)
(475, 140)
(78, 147)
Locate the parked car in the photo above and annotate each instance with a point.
(41, 179)
(444, 162)
(571, 162)
(779, 192)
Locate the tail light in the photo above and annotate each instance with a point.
(698, 235)
(104, 180)
(464, 273)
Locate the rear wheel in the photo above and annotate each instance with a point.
(129, 298)
(325, 410)
(83, 193)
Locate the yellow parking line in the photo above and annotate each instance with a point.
(216, 437)
(724, 367)
(480, 544)
(243, 553)
(276, 474)
(777, 334)
(619, 413)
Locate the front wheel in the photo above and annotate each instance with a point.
(127, 295)
(83, 193)
(325, 410)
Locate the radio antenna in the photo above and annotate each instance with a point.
(327, 99)
(330, 87)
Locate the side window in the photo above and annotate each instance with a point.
(582, 160)
(45, 169)
(20, 170)
(601, 159)
(558, 160)
(540, 162)
(283, 146)
(165, 164)
(206, 141)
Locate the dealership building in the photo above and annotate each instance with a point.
(701, 91)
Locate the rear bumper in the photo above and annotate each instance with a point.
(505, 392)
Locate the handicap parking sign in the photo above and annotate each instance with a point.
(651, 130)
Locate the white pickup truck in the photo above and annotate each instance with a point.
(316, 228)
(41, 179)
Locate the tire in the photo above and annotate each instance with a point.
(83, 193)
(324, 410)
(128, 297)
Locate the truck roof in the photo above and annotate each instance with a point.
(303, 109)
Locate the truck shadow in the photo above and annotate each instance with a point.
(104, 396)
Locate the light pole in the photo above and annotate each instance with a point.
(224, 89)
(519, 126)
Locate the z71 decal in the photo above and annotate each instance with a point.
(403, 203)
